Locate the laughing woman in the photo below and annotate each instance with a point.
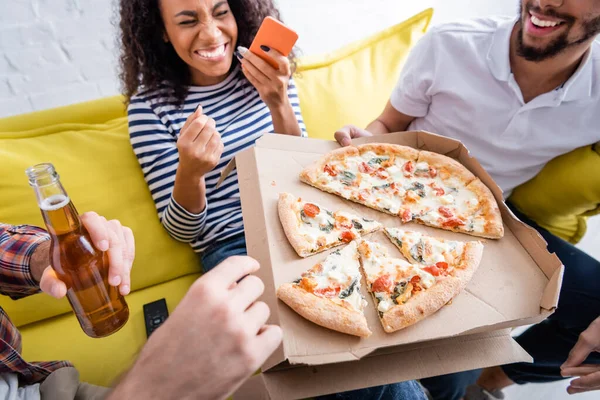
(197, 97)
(194, 102)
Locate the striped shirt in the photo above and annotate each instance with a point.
(17, 245)
(241, 118)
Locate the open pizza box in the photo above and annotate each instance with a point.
(517, 283)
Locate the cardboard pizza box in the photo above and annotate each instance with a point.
(399, 364)
(517, 283)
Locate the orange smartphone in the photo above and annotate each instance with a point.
(275, 35)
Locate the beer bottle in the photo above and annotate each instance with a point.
(99, 307)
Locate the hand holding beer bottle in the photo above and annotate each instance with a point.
(83, 268)
(108, 236)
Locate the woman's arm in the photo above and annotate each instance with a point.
(179, 196)
(291, 122)
(275, 88)
(284, 120)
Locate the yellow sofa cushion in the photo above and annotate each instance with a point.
(89, 145)
(564, 193)
(100, 361)
(353, 84)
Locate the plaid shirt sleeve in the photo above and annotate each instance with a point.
(17, 244)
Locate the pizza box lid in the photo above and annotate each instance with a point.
(413, 361)
(517, 283)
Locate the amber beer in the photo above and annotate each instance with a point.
(99, 307)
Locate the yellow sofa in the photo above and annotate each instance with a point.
(88, 143)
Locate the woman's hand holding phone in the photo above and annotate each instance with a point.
(271, 83)
(267, 68)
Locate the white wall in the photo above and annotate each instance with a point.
(58, 52)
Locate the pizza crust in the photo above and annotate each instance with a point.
(324, 312)
(429, 301)
(421, 305)
(472, 254)
(494, 228)
(440, 161)
(289, 221)
(386, 148)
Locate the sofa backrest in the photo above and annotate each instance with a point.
(88, 143)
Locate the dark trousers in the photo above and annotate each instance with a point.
(550, 341)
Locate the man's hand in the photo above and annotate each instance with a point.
(345, 135)
(214, 340)
(588, 375)
(108, 236)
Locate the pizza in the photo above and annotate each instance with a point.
(311, 228)
(329, 293)
(406, 293)
(415, 185)
(439, 256)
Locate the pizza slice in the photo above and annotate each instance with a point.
(370, 174)
(436, 256)
(407, 293)
(420, 186)
(329, 293)
(447, 195)
(311, 228)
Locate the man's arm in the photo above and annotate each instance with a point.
(207, 351)
(390, 120)
(23, 257)
(411, 94)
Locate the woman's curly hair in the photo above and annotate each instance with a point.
(147, 61)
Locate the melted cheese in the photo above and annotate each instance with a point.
(342, 267)
(447, 199)
(356, 299)
(427, 280)
(314, 228)
(390, 203)
(478, 224)
(441, 251)
(384, 305)
(368, 156)
(323, 218)
(435, 258)
(369, 181)
(396, 173)
(431, 217)
(423, 166)
(423, 202)
(337, 187)
(379, 262)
